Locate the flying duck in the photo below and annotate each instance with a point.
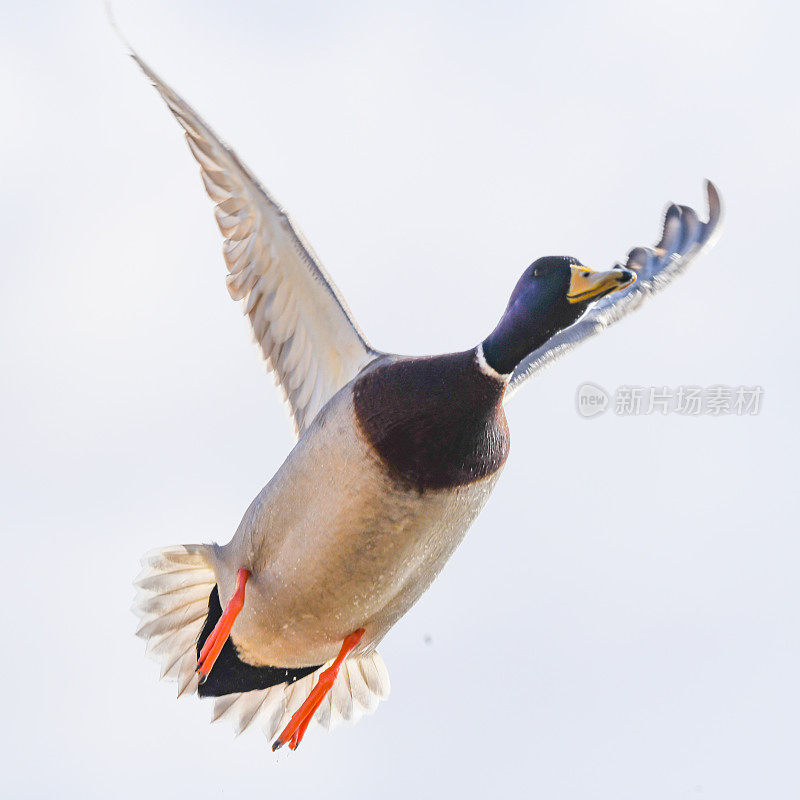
(394, 459)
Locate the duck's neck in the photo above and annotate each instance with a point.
(516, 336)
(487, 369)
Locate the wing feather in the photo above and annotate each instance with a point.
(300, 321)
(683, 238)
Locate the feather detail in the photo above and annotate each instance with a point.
(171, 602)
(683, 238)
(275, 273)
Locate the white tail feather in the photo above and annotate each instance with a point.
(172, 594)
(172, 603)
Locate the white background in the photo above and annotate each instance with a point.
(622, 620)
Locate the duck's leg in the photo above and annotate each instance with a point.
(216, 639)
(293, 733)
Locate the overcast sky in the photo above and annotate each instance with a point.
(622, 620)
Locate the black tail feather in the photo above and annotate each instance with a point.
(230, 674)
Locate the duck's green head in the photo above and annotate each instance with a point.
(551, 294)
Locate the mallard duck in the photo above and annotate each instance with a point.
(395, 458)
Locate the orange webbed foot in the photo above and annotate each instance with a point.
(293, 733)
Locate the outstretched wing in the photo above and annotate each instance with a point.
(684, 237)
(299, 319)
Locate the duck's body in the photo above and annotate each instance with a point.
(395, 458)
(366, 509)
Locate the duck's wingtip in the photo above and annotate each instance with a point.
(715, 214)
(714, 201)
(112, 21)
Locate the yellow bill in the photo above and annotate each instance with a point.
(587, 284)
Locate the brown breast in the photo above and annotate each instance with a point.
(435, 422)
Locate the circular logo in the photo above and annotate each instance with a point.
(591, 400)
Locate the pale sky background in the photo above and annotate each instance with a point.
(622, 621)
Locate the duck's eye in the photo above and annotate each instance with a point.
(586, 274)
(537, 273)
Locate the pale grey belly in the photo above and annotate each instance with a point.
(334, 544)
